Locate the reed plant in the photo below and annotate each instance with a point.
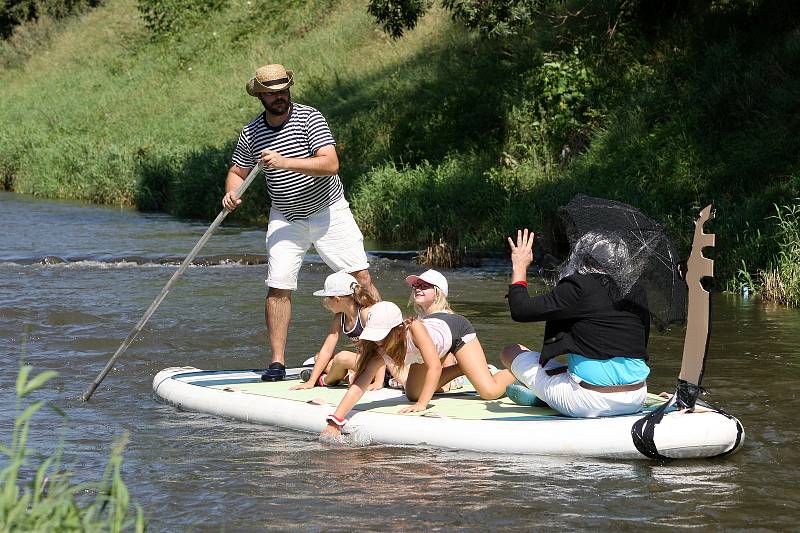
(781, 282)
(50, 500)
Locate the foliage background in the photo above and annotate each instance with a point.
(465, 128)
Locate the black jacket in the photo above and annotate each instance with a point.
(583, 319)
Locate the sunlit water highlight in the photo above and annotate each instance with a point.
(195, 472)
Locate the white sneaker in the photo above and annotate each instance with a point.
(458, 383)
(394, 384)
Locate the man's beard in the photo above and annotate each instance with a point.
(278, 107)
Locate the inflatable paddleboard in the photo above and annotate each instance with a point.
(458, 419)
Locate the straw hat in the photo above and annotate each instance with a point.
(270, 78)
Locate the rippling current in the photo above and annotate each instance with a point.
(75, 279)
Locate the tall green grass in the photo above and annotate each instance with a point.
(50, 501)
(780, 282)
(26, 25)
(441, 134)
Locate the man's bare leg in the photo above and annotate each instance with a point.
(277, 314)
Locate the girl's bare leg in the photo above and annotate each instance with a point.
(449, 360)
(472, 363)
(450, 373)
(341, 364)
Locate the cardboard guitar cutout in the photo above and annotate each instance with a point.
(698, 320)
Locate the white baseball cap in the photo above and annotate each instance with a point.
(338, 284)
(382, 317)
(434, 277)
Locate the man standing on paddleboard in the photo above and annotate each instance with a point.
(298, 153)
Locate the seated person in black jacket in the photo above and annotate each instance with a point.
(601, 328)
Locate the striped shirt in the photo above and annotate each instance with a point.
(295, 195)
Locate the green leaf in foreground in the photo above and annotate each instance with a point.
(51, 501)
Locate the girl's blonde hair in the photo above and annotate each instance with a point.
(362, 296)
(439, 305)
(359, 295)
(395, 345)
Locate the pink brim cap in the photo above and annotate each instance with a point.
(433, 277)
(412, 279)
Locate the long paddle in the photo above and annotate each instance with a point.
(153, 306)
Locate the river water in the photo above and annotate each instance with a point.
(75, 279)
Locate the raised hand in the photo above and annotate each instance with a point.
(521, 253)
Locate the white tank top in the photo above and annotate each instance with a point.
(440, 335)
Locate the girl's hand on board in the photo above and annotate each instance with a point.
(415, 408)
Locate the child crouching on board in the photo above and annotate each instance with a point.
(421, 347)
(429, 292)
(388, 340)
(349, 303)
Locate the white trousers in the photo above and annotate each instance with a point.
(563, 392)
(333, 232)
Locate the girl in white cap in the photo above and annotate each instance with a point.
(427, 301)
(389, 340)
(349, 303)
(418, 346)
(429, 297)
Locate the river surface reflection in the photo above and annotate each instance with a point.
(74, 280)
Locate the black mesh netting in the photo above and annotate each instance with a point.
(618, 240)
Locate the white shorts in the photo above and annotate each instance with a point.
(563, 393)
(333, 232)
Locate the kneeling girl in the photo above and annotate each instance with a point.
(349, 303)
(389, 340)
(429, 293)
(418, 345)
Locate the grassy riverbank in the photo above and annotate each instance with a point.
(442, 134)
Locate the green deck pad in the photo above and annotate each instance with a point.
(461, 404)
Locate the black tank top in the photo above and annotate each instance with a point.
(358, 327)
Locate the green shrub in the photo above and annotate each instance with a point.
(164, 17)
(563, 86)
(51, 501)
(495, 18)
(453, 200)
(554, 110)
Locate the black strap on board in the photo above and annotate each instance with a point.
(739, 432)
(687, 393)
(643, 430)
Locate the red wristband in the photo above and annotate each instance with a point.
(333, 419)
(523, 283)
